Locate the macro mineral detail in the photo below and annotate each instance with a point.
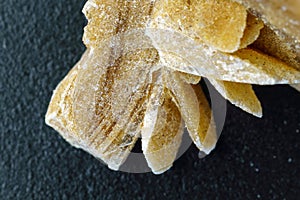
(140, 74)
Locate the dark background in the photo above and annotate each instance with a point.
(39, 42)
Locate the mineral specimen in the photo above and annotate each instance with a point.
(139, 75)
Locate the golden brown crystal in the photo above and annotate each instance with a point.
(144, 60)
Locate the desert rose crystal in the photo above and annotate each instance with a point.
(139, 75)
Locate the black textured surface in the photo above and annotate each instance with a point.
(39, 42)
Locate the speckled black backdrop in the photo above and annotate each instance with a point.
(39, 42)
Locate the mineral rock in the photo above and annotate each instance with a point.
(139, 75)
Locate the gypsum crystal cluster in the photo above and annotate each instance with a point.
(139, 75)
